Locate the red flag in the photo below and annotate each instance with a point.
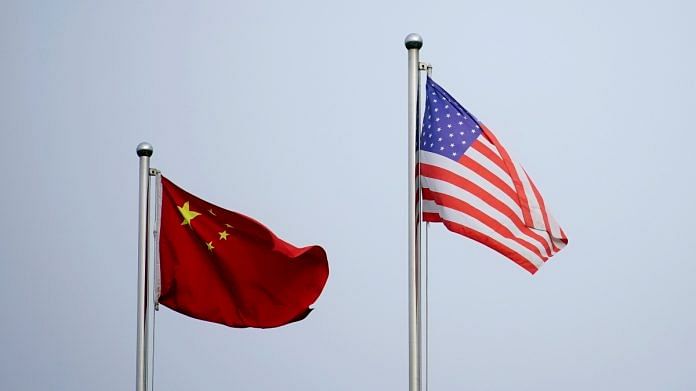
(224, 267)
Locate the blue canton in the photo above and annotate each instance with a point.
(448, 129)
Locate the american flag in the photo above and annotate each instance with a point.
(471, 185)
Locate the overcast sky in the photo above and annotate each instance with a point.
(295, 114)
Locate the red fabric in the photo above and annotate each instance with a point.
(250, 279)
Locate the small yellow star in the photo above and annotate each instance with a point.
(187, 213)
(211, 212)
(228, 226)
(223, 235)
(210, 245)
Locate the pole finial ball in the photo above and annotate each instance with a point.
(413, 41)
(144, 149)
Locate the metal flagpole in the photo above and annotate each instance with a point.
(426, 307)
(144, 151)
(413, 43)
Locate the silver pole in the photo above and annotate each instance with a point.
(426, 330)
(144, 151)
(413, 43)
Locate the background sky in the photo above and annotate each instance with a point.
(295, 113)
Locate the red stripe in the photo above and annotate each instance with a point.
(431, 217)
(522, 196)
(540, 201)
(485, 240)
(470, 187)
(486, 174)
(564, 238)
(492, 156)
(457, 204)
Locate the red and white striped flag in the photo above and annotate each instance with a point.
(471, 185)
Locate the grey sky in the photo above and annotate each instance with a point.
(295, 113)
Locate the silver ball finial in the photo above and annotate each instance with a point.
(413, 41)
(144, 149)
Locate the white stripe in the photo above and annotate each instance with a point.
(471, 223)
(534, 208)
(553, 227)
(484, 140)
(556, 231)
(435, 159)
(444, 187)
(487, 163)
(548, 231)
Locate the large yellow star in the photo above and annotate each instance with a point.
(210, 245)
(187, 213)
(223, 235)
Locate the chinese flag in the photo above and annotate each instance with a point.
(224, 267)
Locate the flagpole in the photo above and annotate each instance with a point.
(144, 151)
(413, 43)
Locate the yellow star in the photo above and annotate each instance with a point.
(211, 212)
(223, 235)
(210, 246)
(228, 226)
(187, 213)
